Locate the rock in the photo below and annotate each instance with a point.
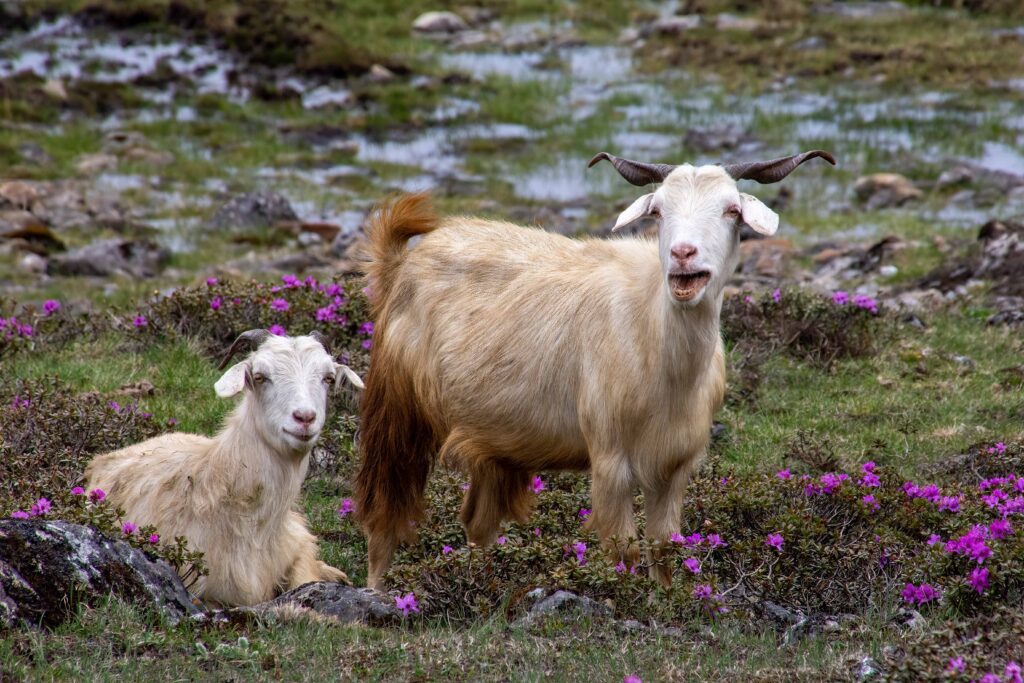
(731, 22)
(866, 668)
(93, 164)
(861, 10)
(48, 568)
(34, 154)
(885, 190)
(33, 263)
(137, 389)
(675, 25)
(718, 138)
(439, 22)
(17, 194)
(117, 141)
(957, 175)
(769, 257)
(810, 43)
(252, 211)
(381, 74)
(138, 258)
(342, 603)
(564, 603)
(28, 232)
(54, 87)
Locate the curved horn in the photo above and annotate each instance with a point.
(253, 338)
(635, 172)
(319, 336)
(773, 171)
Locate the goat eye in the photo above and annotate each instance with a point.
(328, 379)
(732, 213)
(259, 378)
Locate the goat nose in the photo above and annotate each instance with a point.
(683, 252)
(304, 417)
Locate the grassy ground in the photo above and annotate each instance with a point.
(916, 402)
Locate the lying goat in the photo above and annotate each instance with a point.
(510, 350)
(233, 496)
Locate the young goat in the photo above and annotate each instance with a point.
(509, 350)
(233, 496)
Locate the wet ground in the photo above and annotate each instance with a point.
(501, 124)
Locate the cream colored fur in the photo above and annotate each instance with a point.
(233, 497)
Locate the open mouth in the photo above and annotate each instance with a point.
(686, 286)
(299, 436)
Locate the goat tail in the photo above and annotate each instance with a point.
(391, 226)
(398, 448)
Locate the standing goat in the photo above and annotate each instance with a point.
(233, 496)
(510, 350)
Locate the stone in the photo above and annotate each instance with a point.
(439, 22)
(675, 25)
(885, 190)
(252, 211)
(48, 568)
(564, 603)
(137, 258)
(343, 604)
(34, 154)
(861, 10)
(54, 87)
(731, 22)
(94, 164)
(381, 74)
(866, 668)
(17, 194)
(718, 138)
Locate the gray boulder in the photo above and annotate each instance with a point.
(253, 211)
(346, 604)
(48, 568)
(138, 258)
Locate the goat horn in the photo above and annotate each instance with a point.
(319, 336)
(773, 171)
(252, 338)
(636, 172)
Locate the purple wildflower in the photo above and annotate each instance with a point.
(956, 664)
(346, 507)
(367, 344)
(693, 564)
(446, 550)
(777, 295)
(97, 495)
(784, 474)
(715, 541)
(919, 594)
(154, 538)
(502, 540)
(51, 306)
(78, 491)
(366, 328)
(41, 507)
(580, 548)
(774, 541)
(538, 484)
(1000, 529)
(632, 678)
(211, 281)
(215, 303)
(620, 567)
(934, 539)
(840, 298)
(291, 281)
(865, 302)
(584, 513)
(19, 514)
(702, 591)
(279, 305)
(870, 501)
(978, 579)
(128, 528)
(277, 331)
(407, 603)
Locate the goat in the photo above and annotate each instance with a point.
(509, 350)
(233, 496)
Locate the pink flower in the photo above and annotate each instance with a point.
(19, 514)
(632, 678)
(154, 538)
(1000, 529)
(346, 507)
(277, 331)
(702, 591)
(291, 281)
(78, 491)
(96, 495)
(934, 538)
(51, 306)
(978, 579)
(536, 532)
(777, 295)
(865, 302)
(447, 550)
(1012, 673)
(870, 501)
(279, 305)
(538, 484)
(502, 540)
(215, 303)
(949, 504)
(620, 567)
(140, 321)
(693, 564)
(919, 594)
(784, 474)
(580, 548)
(211, 281)
(774, 541)
(128, 528)
(840, 298)
(367, 344)
(584, 513)
(41, 507)
(677, 538)
(366, 328)
(956, 664)
(715, 541)
(407, 603)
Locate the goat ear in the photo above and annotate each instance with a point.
(232, 381)
(638, 209)
(757, 215)
(349, 374)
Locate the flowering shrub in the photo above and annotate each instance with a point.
(24, 327)
(216, 312)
